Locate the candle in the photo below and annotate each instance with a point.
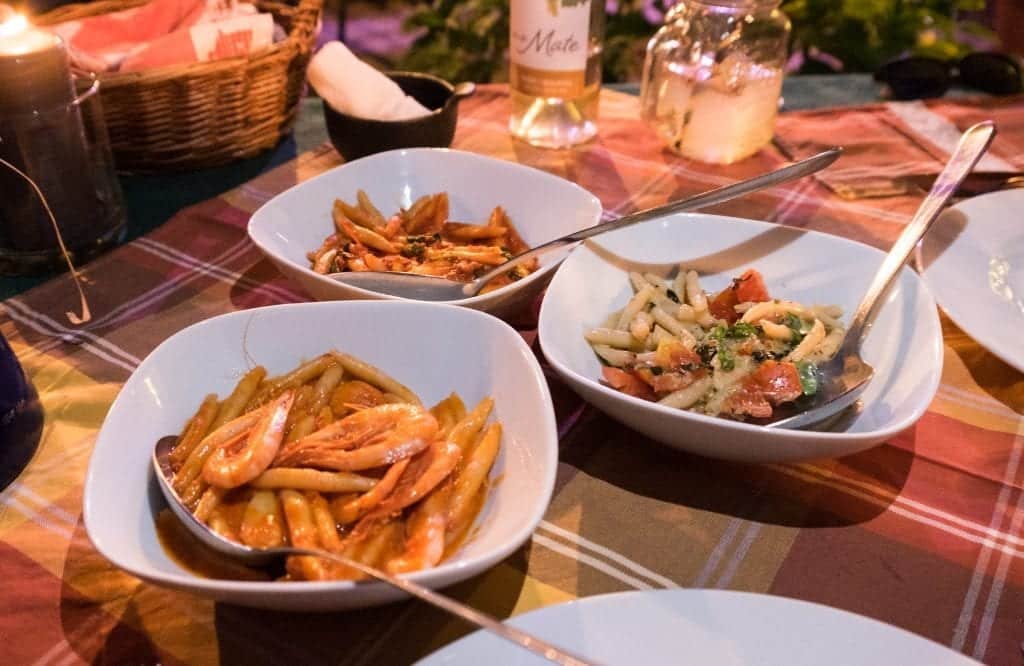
(45, 135)
(34, 69)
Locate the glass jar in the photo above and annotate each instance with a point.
(713, 77)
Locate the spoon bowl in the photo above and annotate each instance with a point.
(262, 556)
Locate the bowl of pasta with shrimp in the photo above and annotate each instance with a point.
(432, 211)
(424, 445)
(695, 329)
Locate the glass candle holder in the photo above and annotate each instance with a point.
(51, 131)
(713, 77)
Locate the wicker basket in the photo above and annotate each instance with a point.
(204, 114)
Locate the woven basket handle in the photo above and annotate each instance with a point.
(304, 21)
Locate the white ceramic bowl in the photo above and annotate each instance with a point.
(541, 206)
(434, 349)
(904, 346)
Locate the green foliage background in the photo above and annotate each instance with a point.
(467, 39)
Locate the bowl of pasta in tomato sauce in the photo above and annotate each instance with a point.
(446, 213)
(443, 412)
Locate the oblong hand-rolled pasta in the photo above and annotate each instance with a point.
(738, 353)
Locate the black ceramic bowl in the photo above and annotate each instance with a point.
(357, 137)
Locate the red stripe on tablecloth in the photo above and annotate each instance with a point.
(45, 620)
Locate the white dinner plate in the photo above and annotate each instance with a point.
(973, 262)
(433, 349)
(703, 627)
(904, 346)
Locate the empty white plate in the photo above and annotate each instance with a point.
(973, 262)
(703, 627)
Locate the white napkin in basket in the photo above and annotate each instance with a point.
(351, 86)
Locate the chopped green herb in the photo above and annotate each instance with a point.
(726, 360)
(737, 332)
(424, 239)
(808, 377)
(742, 330)
(796, 325)
(414, 250)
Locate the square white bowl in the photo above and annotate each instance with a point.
(434, 349)
(541, 206)
(904, 346)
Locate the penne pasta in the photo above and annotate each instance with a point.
(420, 240)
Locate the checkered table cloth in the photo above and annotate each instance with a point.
(923, 532)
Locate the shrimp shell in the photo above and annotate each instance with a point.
(231, 465)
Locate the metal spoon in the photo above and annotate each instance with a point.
(428, 288)
(259, 556)
(846, 375)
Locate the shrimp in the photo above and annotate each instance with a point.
(422, 475)
(369, 438)
(424, 543)
(349, 510)
(225, 435)
(236, 463)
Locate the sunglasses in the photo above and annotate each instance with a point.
(919, 78)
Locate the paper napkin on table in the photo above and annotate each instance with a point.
(352, 87)
(164, 32)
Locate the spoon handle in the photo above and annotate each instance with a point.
(473, 616)
(973, 144)
(703, 200)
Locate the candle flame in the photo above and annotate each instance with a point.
(18, 36)
(14, 24)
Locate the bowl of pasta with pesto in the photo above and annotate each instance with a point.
(384, 443)
(694, 329)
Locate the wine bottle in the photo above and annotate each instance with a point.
(555, 70)
(21, 417)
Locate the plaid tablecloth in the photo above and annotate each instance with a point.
(923, 532)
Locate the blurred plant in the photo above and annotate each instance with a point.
(461, 40)
(863, 34)
(467, 39)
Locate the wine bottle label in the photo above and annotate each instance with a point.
(548, 47)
